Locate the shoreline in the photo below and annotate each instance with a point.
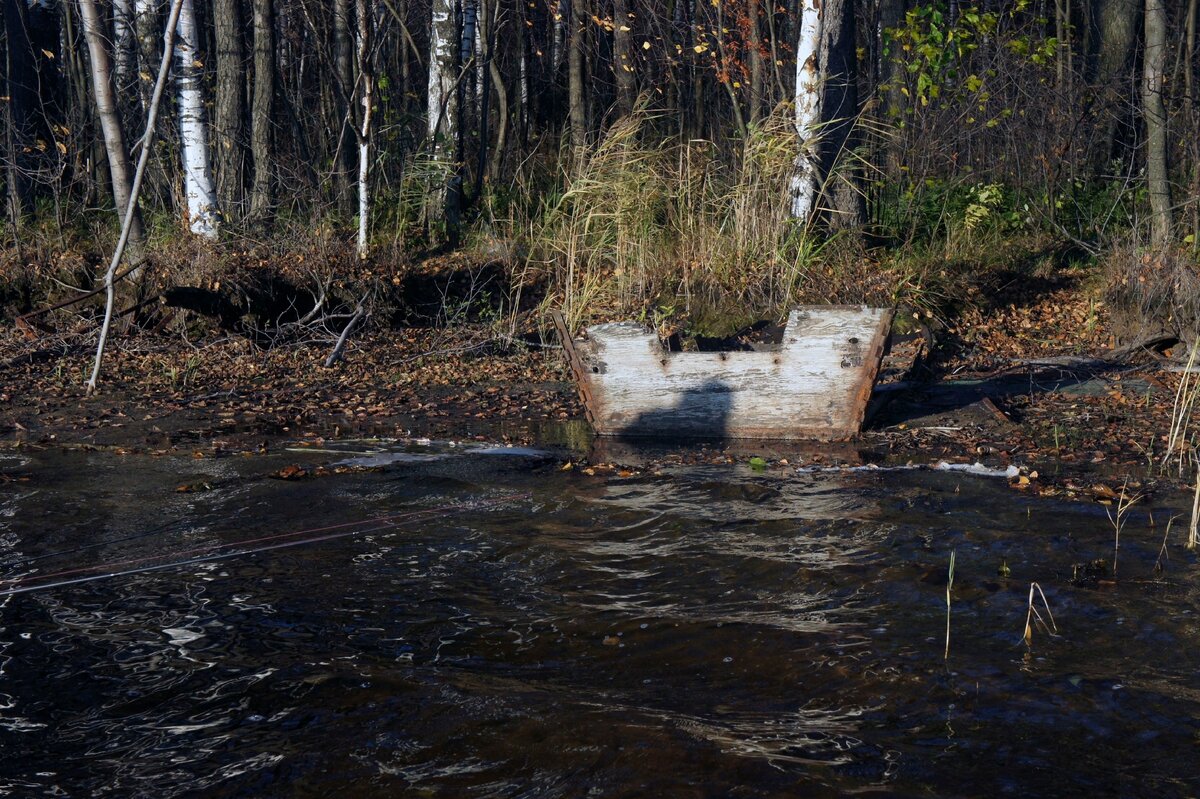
(1072, 430)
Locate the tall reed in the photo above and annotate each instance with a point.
(644, 221)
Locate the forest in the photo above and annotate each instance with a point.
(688, 163)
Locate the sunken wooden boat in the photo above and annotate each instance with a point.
(813, 385)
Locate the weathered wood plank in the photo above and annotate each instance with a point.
(815, 385)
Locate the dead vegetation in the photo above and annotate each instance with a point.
(1155, 295)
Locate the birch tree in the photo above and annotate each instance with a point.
(193, 128)
(110, 123)
(366, 82)
(824, 177)
(442, 109)
(805, 175)
(489, 24)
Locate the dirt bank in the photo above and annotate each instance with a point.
(1020, 386)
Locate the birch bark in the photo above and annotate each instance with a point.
(826, 173)
(562, 12)
(110, 122)
(366, 22)
(443, 112)
(803, 187)
(193, 128)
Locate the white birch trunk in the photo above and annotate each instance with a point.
(445, 42)
(804, 182)
(124, 51)
(193, 129)
(366, 80)
(110, 120)
(558, 45)
(442, 41)
(523, 91)
(481, 76)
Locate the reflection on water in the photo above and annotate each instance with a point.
(707, 631)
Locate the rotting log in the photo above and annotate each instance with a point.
(815, 385)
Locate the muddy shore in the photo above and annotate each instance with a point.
(1071, 422)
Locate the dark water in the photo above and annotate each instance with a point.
(710, 631)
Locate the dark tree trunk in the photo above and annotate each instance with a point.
(343, 57)
(33, 81)
(838, 58)
(229, 112)
(577, 108)
(757, 74)
(1154, 113)
(261, 107)
(623, 58)
(1113, 36)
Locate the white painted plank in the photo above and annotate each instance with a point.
(814, 386)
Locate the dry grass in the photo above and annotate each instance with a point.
(1155, 291)
(650, 227)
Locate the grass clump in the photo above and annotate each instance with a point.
(643, 224)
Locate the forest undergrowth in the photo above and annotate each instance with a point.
(690, 236)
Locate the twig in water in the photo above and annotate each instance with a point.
(1032, 615)
(949, 585)
(1162, 551)
(1124, 503)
